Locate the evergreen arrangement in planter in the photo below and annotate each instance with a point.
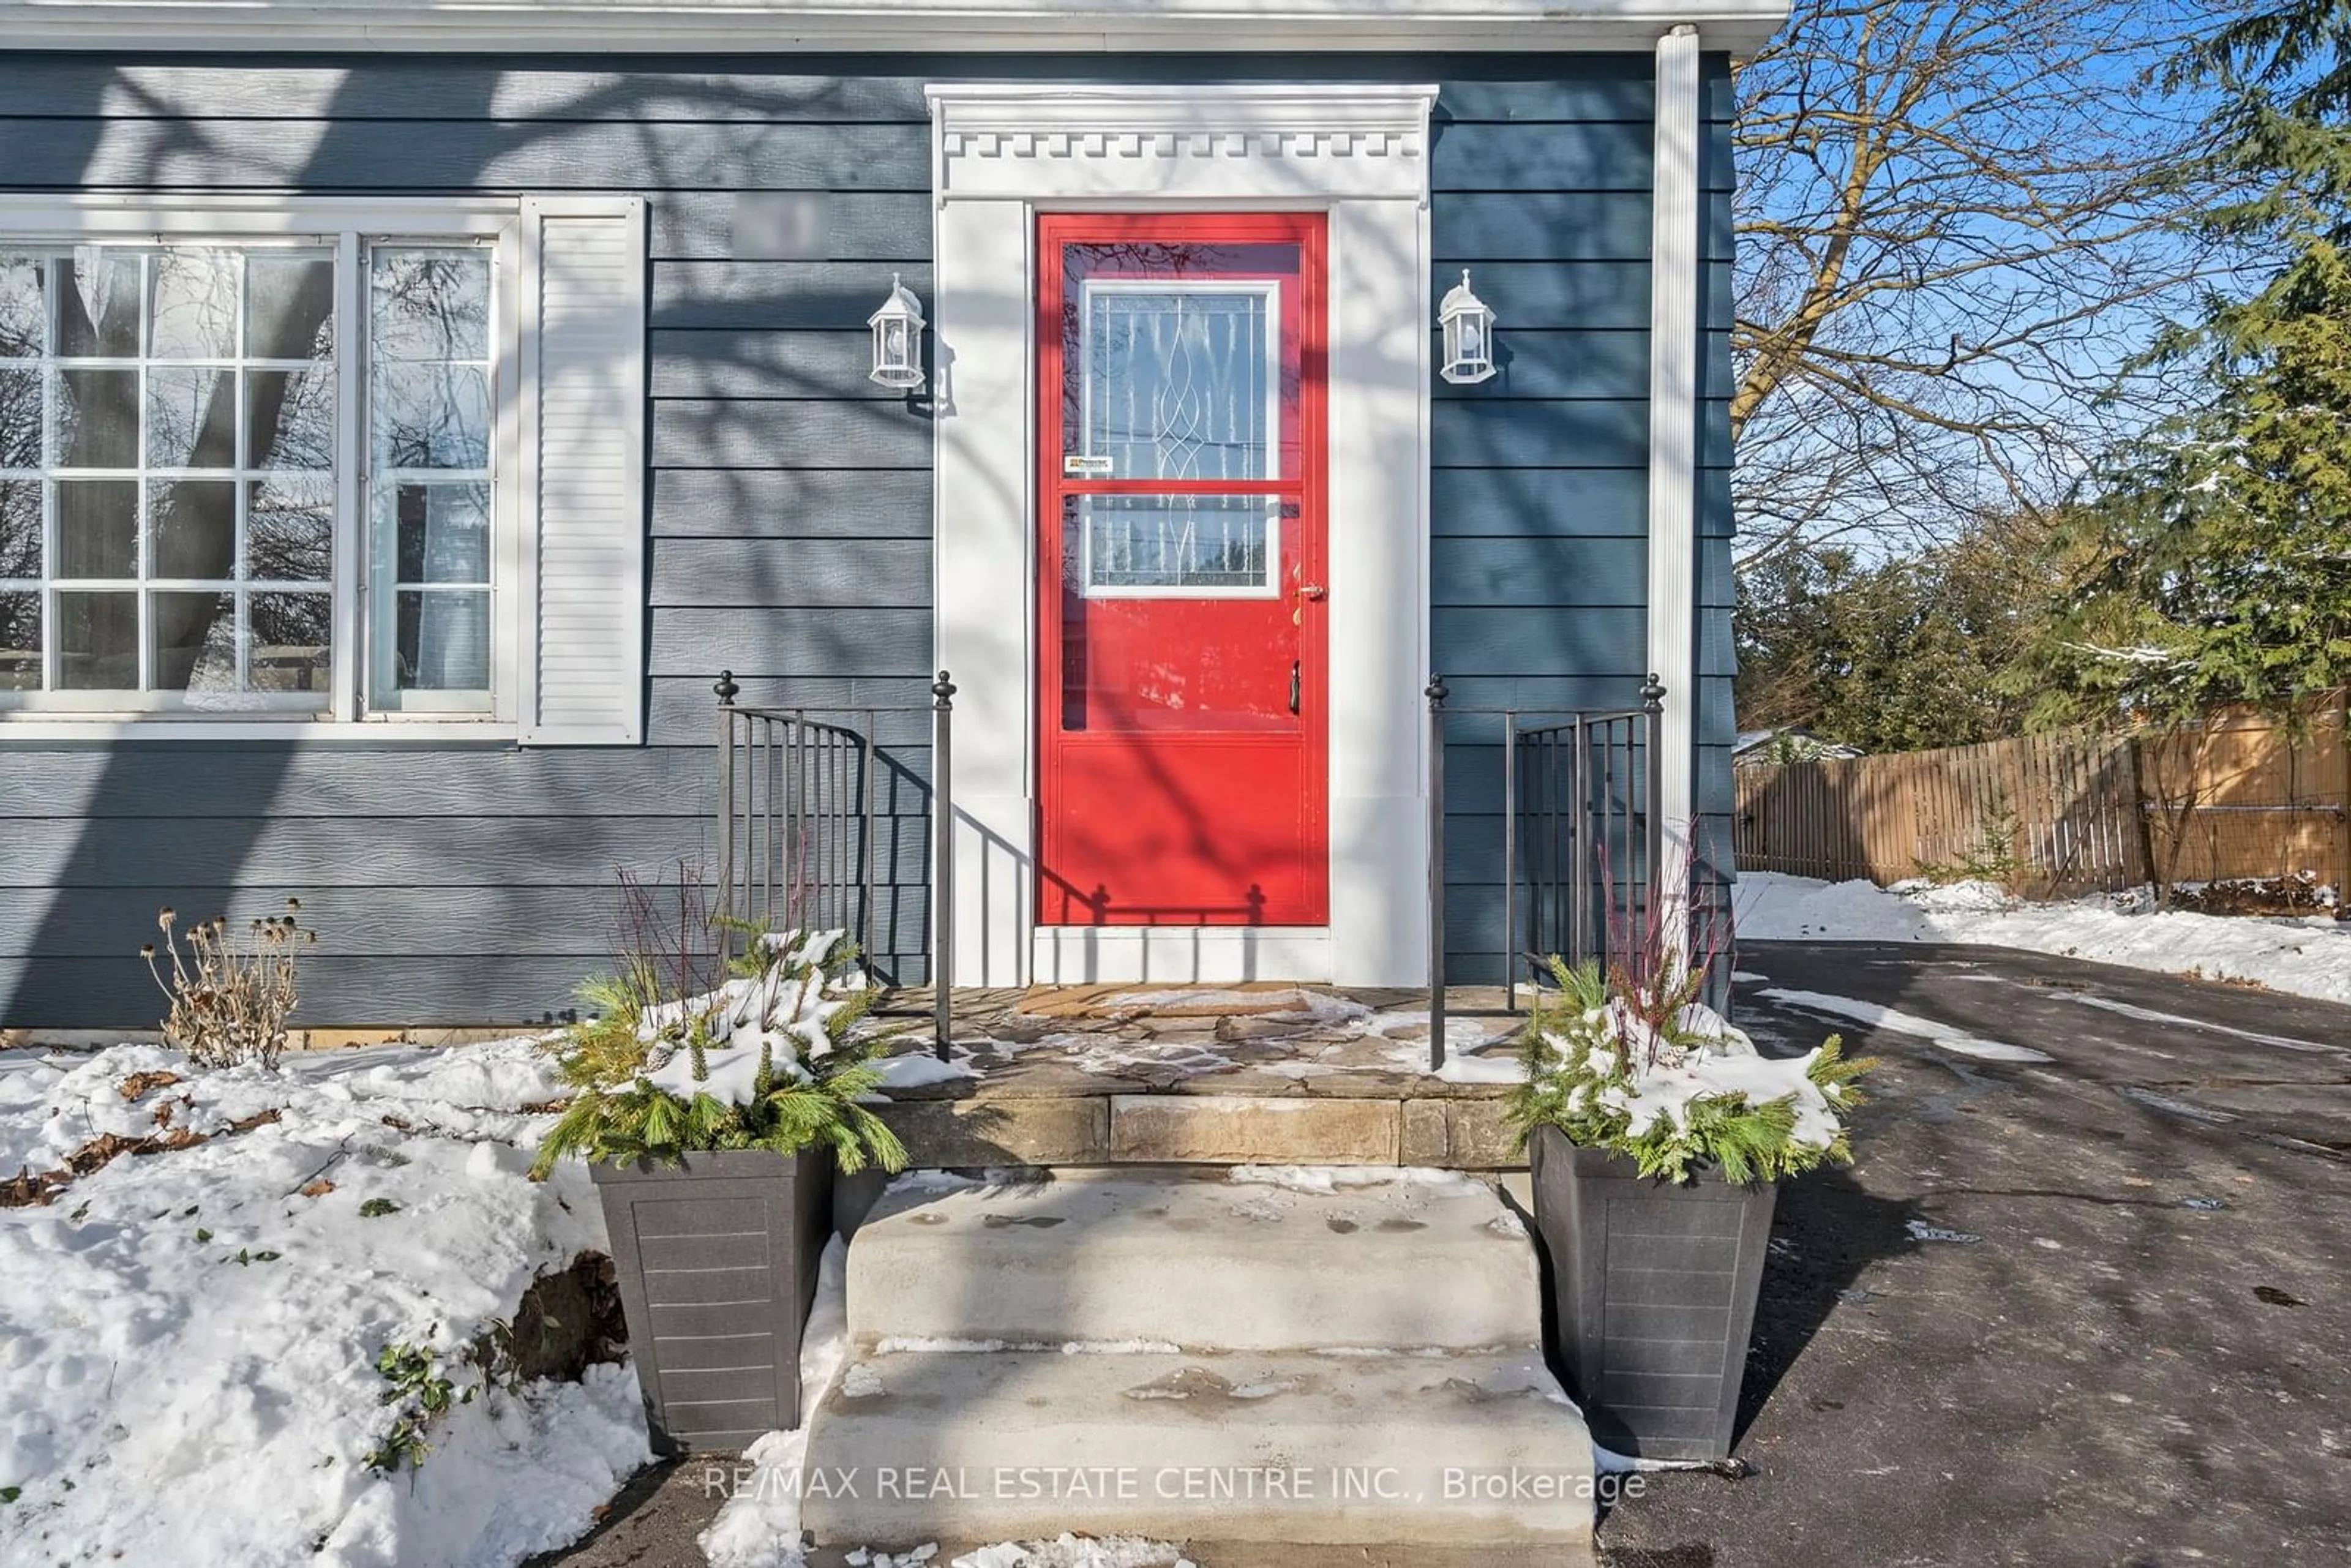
(1655, 1133)
(713, 1124)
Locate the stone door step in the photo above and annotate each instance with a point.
(1195, 1260)
(1463, 1452)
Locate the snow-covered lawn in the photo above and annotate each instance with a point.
(190, 1332)
(189, 1336)
(2306, 956)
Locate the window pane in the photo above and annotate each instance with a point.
(191, 419)
(20, 529)
(21, 306)
(143, 481)
(429, 386)
(1181, 361)
(430, 305)
(290, 648)
(444, 640)
(289, 529)
(97, 527)
(20, 641)
(97, 419)
(20, 419)
(97, 294)
(194, 304)
(98, 642)
(432, 416)
(194, 524)
(289, 419)
(1178, 385)
(195, 642)
(1198, 546)
(289, 307)
(441, 533)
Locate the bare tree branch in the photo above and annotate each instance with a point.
(1960, 221)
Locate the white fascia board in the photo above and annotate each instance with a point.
(928, 27)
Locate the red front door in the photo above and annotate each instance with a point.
(1181, 679)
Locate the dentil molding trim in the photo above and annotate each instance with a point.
(1313, 143)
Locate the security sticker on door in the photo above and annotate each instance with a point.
(1075, 466)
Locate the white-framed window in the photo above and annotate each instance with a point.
(267, 465)
(1179, 381)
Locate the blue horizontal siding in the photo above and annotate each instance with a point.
(791, 505)
(1540, 497)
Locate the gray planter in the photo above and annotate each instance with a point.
(1653, 1285)
(717, 1261)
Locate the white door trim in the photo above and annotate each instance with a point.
(1003, 153)
(1676, 285)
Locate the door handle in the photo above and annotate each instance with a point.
(1293, 686)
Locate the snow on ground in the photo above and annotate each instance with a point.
(1320, 1179)
(758, 1525)
(1065, 1551)
(1957, 1041)
(2305, 955)
(189, 1337)
(912, 1069)
(1073, 1552)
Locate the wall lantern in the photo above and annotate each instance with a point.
(1468, 324)
(898, 338)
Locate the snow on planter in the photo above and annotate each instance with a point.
(1653, 1075)
(190, 1336)
(779, 1016)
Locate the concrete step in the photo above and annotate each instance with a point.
(1466, 1452)
(1179, 1259)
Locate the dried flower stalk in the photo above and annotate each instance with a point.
(230, 1000)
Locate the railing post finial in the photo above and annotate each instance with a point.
(1437, 691)
(727, 689)
(1653, 695)
(943, 691)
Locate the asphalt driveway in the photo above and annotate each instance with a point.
(2087, 1310)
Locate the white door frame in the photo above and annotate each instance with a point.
(1003, 153)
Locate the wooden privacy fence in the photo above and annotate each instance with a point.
(2243, 796)
(2238, 797)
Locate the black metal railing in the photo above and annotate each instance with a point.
(800, 837)
(1582, 844)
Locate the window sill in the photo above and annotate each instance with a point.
(108, 728)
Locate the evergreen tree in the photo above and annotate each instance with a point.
(2211, 557)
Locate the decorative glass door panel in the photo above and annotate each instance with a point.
(1181, 640)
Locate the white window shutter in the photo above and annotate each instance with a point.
(583, 457)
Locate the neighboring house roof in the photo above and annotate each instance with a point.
(589, 26)
(1790, 743)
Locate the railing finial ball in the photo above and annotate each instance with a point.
(727, 689)
(1653, 694)
(943, 691)
(1437, 691)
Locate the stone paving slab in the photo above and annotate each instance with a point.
(1271, 1074)
(1279, 1041)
